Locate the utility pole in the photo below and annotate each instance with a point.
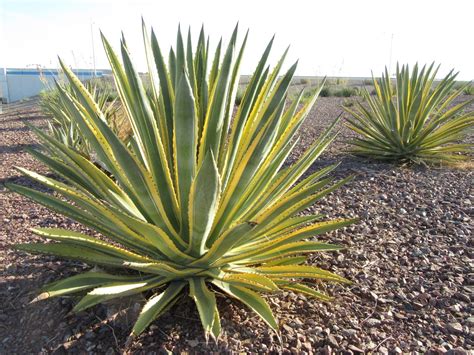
(390, 58)
(93, 50)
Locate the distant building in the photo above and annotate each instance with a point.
(17, 84)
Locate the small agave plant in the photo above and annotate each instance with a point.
(416, 120)
(198, 201)
(61, 125)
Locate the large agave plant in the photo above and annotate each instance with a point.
(198, 202)
(413, 120)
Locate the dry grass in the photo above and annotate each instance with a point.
(120, 123)
(467, 165)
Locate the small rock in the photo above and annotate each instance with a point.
(446, 345)
(454, 327)
(193, 343)
(298, 322)
(67, 345)
(349, 333)
(355, 348)
(371, 345)
(288, 329)
(332, 341)
(374, 295)
(457, 351)
(462, 297)
(373, 322)
(89, 335)
(59, 351)
(325, 350)
(399, 316)
(455, 308)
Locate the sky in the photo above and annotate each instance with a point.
(332, 37)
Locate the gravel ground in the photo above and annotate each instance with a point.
(410, 258)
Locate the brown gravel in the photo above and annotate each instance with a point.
(410, 258)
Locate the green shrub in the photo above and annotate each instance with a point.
(348, 103)
(325, 92)
(239, 96)
(341, 81)
(308, 95)
(344, 92)
(199, 202)
(413, 120)
(468, 90)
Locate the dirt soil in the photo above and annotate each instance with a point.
(410, 259)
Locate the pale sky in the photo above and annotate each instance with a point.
(330, 37)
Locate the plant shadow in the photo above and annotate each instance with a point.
(11, 149)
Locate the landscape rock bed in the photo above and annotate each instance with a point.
(410, 258)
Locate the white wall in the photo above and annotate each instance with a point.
(24, 83)
(21, 86)
(3, 86)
